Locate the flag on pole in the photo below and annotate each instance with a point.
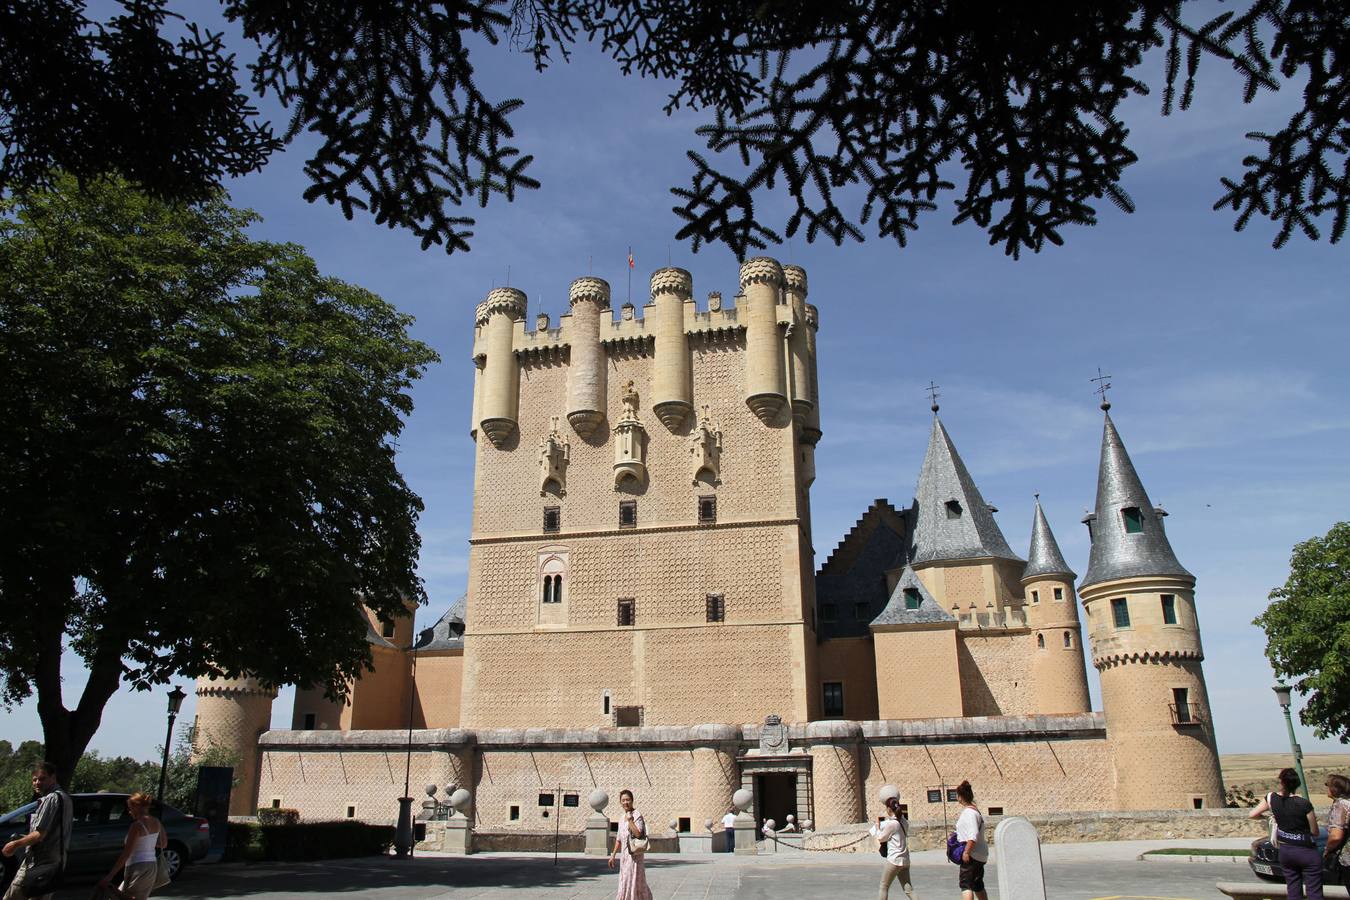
(631, 264)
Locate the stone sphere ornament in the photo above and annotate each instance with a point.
(450, 788)
(888, 792)
(598, 800)
(791, 818)
(708, 823)
(431, 790)
(807, 825)
(459, 800)
(675, 825)
(742, 800)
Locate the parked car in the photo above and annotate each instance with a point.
(1265, 859)
(100, 826)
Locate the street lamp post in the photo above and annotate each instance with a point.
(175, 704)
(1282, 692)
(404, 833)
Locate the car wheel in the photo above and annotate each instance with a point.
(176, 856)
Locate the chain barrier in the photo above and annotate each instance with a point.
(774, 837)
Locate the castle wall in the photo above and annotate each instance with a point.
(379, 699)
(440, 679)
(996, 673)
(917, 675)
(973, 584)
(853, 663)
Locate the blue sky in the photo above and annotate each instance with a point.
(1227, 356)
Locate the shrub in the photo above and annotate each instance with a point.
(307, 841)
(272, 815)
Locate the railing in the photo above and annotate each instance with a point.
(1185, 714)
(1008, 618)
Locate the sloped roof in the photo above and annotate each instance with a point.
(896, 612)
(853, 577)
(1116, 553)
(965, 530)
(1044, 557)
(448, 632)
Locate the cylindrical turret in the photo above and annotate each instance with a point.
(836, 777)
(765, 384)
(501, 373)
(672, 390)
(477, 397)
(803, 396)
(715, 773)
(231, 715)
(1059, 675)
(586, 371)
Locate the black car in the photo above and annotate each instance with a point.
(1265, 859)
(99, 827)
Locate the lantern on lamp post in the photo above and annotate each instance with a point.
(176, 697)
(1282, 694)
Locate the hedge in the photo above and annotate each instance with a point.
(306, 841)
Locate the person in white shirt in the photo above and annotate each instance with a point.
(970, 831)
(893, 833)
(729, 826)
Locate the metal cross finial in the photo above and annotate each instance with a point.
(933, 395)
(1102, 387)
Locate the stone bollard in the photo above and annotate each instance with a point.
(597, 825)
(1020, 873)
(746, 839)
(459, 827)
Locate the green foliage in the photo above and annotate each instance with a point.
(1308, 630)
(180, 779)
(16, 768)
(274, 815)
(858, 110)
(306, 841)
(197, 467)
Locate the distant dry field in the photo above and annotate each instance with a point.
(1253, 774)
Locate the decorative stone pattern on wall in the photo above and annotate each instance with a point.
(836, 783)
(715, 779)
(853, 663)
(439, 680)
(996, 673)
(322, 784)
(917, 674)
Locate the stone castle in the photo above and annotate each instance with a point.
(644, 610)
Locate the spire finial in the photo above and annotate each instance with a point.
(1037, 495)
(1102, 387)
(933, 395)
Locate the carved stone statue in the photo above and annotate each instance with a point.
(630, 401)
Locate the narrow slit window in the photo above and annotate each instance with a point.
(514, 814)
(1169, 609)
(1059, 593)
(351, 812)
(1035, 596)
(1181, 706)
(552, 519)
(605, 702)
(627, 611)
(716, 607)
(833, 696)
(1120, 612)
(1068, 640)
(1134, 519)
(1040, 642)
(627, 513)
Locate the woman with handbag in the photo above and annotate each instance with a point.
(1294, 829)
(631, 847)
(893, 834)
(142, 869)
(974, 848)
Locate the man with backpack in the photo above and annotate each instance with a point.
(48, 839)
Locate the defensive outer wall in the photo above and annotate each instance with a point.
(1021, 765)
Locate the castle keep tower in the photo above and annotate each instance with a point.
(1051, 606)
(643, 490)
(1145, 636)
(231, 714)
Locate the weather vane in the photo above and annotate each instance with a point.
(933, 395)
(1102, 387)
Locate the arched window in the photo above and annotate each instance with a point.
(1068, 639)
(1040, 642)
(552, 571)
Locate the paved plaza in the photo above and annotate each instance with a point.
(1098, 871)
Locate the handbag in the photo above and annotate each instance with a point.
(162, 876)
(45, 878)
(955, 849)
(1274, 828)
(638, 845)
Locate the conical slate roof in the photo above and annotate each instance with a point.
(1116, 553)
(954, 522)
(897, 613)
(1044, 558)
(447, 633)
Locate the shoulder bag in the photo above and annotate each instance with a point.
(45, 878)
(638, 845)
(162, 874)
(1274, 826)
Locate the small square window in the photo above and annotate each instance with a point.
(953, 509)
(827, 612)
(627, 513)
(276, 803)
(1169, 609)
(707, 510)
(912, 598)
(1134, 519)
(552, 519)
(717, 607)
(1197, 803)
(514, 813)
(1120, 612)
(1035, 596)
(862, 611)
(351, 812)
(833, 694)
(627, 612)
(309, 721)
(387, 629)
(935, 796)
(995, 810)
(545, 799)
(571, 800)
(951, 795)
(684, 823)
(1059, 593)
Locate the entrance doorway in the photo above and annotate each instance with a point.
(775, 797)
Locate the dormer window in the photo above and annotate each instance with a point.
(1035, 596)
(912, 598)
(1134, 520)
(953, 509)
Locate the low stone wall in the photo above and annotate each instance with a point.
(498, 841)
(1067, 828)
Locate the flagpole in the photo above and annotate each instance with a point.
(630, 273)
